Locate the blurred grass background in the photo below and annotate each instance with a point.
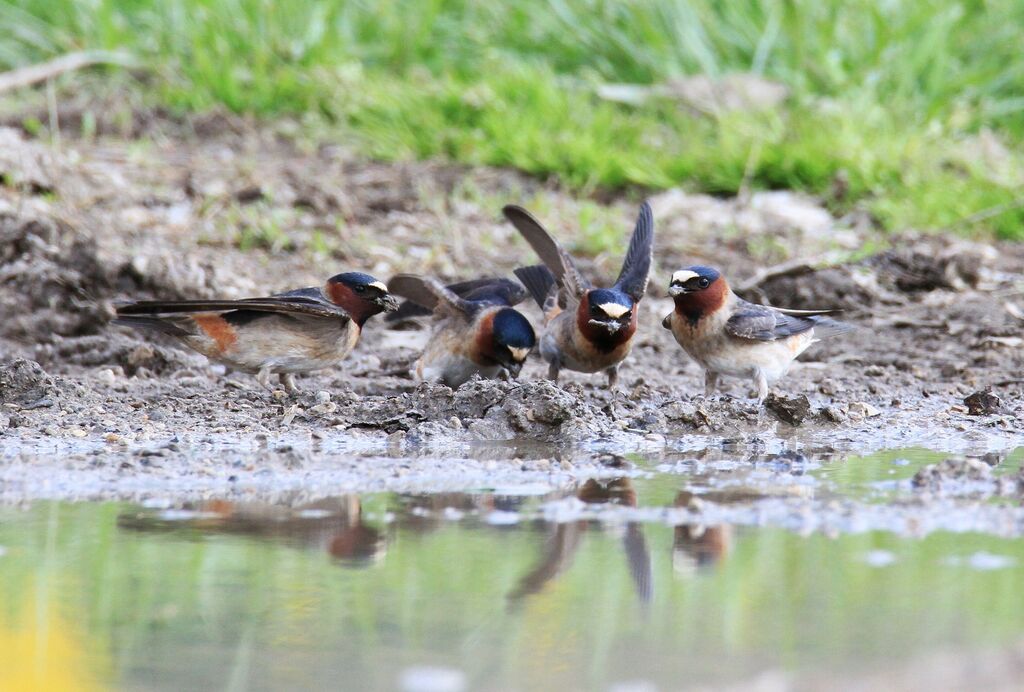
(912, 110)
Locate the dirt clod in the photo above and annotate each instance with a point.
(24, 382)
(982, 403)
(789, 409)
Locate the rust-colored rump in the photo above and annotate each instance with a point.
(218, 329)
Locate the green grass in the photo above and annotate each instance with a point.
(887, 99)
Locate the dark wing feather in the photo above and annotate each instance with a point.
(761, 323)
(639, 558)
(421, 301)
(307, 301)
(492, 291)
(552, 254)
(806, 313)
(637, 266)
(431, 294)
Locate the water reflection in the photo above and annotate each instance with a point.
(502, 592)
(332, 525)
(427, 512)
(564, 540)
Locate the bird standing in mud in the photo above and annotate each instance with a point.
(727, 335)
(476, 330)
(295, 332)
(586, 329)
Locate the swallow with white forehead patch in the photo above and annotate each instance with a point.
(727, 335)
(476, 330)
(586, 329)
(287, 333)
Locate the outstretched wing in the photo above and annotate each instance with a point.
(552, 254)
(430, 294)
(763, 323)
(637, 266)
(420, 300)
(303, 301)
(492, 291)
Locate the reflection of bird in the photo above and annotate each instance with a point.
(565, 538)
(425, 512)
(476, 330)
(586, 329)
(696, 546)
(295, 332)
(700, 546)
(726, 335)
(334, 525)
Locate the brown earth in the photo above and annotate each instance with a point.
(218, 208)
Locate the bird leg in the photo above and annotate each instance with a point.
(553, 369)
(288, 381)
(613, 376)
(762, 386)
(710, 382)
(263, 377)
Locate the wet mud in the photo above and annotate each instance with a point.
(91, 410)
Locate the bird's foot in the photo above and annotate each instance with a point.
(288, 381)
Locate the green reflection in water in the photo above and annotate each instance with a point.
(350, 591)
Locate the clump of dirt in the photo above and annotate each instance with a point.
(115, 350)
(982, 403)
(915, 265)
(51, 280)
(24, 383)
(480, 409)
(793, 410)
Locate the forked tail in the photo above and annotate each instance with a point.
(539, 281)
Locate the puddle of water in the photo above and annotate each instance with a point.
(610, 584)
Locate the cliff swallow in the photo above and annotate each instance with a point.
(727, 335)
(476, 330)
(586, 329)
(295, 332)
(334, 525)
(565, 537)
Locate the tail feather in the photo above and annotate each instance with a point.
(825, 327)
(152, 323)
(539, 281)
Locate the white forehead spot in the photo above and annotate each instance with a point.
(684, 275)
(519, 354)
(379, 284)
(613, 310)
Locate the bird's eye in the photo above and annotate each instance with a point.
(360, 289)
(704, 283)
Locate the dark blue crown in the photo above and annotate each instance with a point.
(513, 330)
(709, 273)
(602, 296)
(353, 279)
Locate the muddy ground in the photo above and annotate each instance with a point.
(217, 207)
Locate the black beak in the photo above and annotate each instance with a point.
(387, 302)
(612, 326)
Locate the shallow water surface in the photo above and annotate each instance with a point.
(608, 584)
